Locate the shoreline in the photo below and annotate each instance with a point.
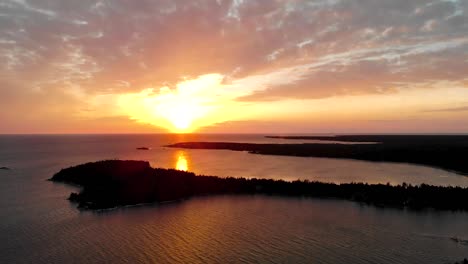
(443, 154)
(117, 183)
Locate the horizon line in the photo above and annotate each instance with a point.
(243, 133)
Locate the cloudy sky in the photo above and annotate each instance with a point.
(229, 66)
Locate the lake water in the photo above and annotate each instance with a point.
(38, 224)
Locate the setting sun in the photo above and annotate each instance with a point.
(182, 109)
(181, 121)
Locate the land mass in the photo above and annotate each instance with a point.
(387, 139)
(113, 183)
(143, 148)
(445, 152)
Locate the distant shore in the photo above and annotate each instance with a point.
(444, 152)
(386, 139)
(116, 183)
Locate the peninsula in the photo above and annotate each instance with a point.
(445, 152)
(113, 183)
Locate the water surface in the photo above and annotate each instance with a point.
(40, 226)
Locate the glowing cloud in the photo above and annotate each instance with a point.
(291, 65)
(188, 106)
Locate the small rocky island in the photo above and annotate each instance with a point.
(113, 183)
(143, 148)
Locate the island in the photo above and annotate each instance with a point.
(444, 152)
(113, 183)
(143, 148)
(4, 168)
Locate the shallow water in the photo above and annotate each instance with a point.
(40, 226)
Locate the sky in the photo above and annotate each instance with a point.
(234, 66)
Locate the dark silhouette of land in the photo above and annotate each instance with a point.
(387, 139)
(112, 183)
(445, 152)
(4, 168)
(460, 241)
(143, 148)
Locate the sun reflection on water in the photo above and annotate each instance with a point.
(181, 163)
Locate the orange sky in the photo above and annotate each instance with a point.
(284, 66)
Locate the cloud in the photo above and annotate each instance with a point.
(377, 70)
(452, 109)
(350, 126)
(157, 42)
(265, 50)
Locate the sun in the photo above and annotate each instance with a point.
(181, 123)
(183, 108)
(181, 112)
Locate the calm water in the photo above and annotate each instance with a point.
(38, 224)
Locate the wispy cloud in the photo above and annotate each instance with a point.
(452, 109)
(264, 50)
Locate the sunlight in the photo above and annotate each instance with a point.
(181, 163)
(180, 110)
(191, 104)
(181, 122)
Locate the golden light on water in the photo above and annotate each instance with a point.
(181, 163)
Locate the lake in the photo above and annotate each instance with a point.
(40, 226)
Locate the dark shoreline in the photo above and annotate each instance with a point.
(386, 139)
(443, 152)
(117, 183)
